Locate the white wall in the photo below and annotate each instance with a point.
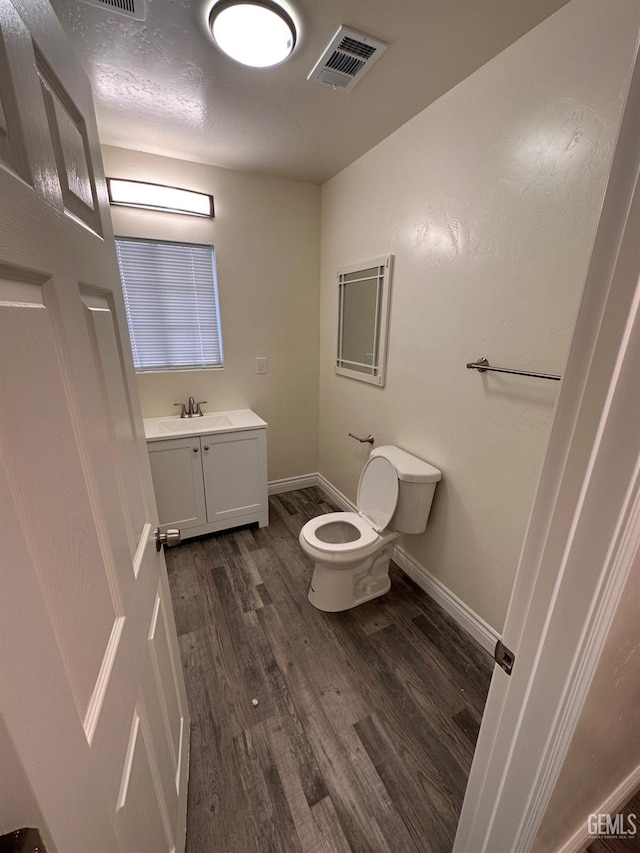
(266, 234)
(604, 755)
(488, 200)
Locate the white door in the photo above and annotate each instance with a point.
(93, 716)
(581, 541)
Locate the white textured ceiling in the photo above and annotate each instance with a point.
(161, 85)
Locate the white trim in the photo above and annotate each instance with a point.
(467, 618)
(290, 484)
(611, 806)
(597, 624)
(336, 496)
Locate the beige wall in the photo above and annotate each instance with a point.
(266, 235)
(605, 749)
(488, 200)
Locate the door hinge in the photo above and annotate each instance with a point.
(504, 657)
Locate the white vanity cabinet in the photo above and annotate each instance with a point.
(209, 481)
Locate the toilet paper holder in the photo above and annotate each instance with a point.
(369, 439)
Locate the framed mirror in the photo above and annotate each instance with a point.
(364, 292)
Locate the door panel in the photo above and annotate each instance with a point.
(164, 714)
(31, 155)
(139, 813)
(165, 670)
(68, 134)
(49, 731)
(88, 638)
(12, 147)
(101, 323)
(43, 449)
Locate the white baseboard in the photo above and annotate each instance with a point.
(290, 484)
(612, 805)
(442, 595)
(334, 494)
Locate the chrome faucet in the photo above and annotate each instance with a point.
(191, 408)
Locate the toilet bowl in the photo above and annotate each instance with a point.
(352, 550)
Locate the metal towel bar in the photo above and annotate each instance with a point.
(482, 365)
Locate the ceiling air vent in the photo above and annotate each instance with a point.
(136, 9)
(346, 60)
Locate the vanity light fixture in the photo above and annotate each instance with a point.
(259, 33)
(159, 197)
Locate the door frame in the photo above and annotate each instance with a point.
(581, 541)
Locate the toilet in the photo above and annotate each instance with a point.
(352, 550)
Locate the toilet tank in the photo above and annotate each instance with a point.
(416, 487)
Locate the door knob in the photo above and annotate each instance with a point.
(169, 538)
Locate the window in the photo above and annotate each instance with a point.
(171, 299)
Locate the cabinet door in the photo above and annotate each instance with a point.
(235, 474)
(176, 467)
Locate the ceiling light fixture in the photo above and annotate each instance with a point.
(159, 197)
(258, 33)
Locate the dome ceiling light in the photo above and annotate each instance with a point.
(254, 32)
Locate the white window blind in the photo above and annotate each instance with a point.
(171, 299)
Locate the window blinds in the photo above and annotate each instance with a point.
(171, 300)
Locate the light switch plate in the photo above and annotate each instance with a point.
(261, 365)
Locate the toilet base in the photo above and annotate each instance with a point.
(336, 588)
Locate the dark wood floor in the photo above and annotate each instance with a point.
(366, 720)
(630, 844)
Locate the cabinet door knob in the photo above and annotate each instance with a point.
(206, 447)
(195, 449)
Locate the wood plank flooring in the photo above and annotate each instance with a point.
(629, 844)
(366, 721)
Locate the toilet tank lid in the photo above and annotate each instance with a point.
(409, 467)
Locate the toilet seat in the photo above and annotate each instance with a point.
(367, 534)
(377, 500)
(378, 492)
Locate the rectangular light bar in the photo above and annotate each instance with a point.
(159, 197)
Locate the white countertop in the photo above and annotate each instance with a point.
(173, 426)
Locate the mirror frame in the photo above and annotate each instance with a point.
(380, 331)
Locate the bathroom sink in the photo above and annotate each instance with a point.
(174, 426)
(205, 423)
